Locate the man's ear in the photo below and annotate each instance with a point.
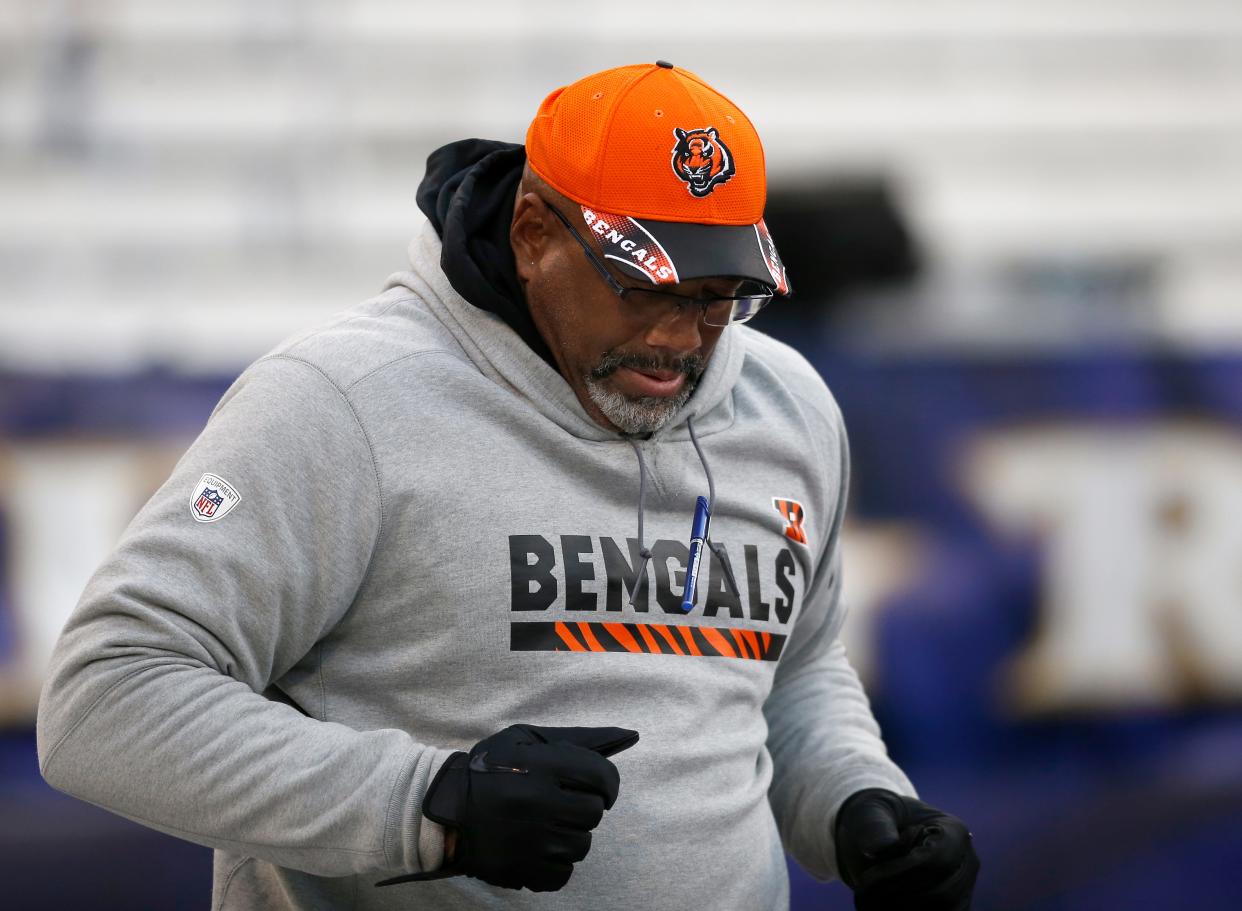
(530, 233)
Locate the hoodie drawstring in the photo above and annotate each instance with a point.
(717, 549)
(643, 551)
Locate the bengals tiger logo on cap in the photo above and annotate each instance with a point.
(701, 160)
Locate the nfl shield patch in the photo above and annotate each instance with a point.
(213, 498)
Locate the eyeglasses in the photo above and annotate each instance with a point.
(653, 306)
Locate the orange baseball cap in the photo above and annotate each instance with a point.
(668, 173)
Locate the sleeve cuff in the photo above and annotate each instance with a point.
(420, 846)
(430, 845)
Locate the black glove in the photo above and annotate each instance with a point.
(899, 854)
(524, 802)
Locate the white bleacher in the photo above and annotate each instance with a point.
(166, 169)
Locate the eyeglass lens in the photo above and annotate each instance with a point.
(657, 307)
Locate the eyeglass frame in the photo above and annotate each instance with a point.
(681, 300)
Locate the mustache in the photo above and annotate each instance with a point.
(692, 365)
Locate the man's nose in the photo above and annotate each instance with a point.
(677, 330)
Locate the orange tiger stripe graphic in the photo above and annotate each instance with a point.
(691, 645)
(623, 635)
(593, 643)
(716, 639)
(684, 640)
(563, 633)
(648, 638)
(668, 635)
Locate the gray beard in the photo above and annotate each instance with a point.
(648, 413)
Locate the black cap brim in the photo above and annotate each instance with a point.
(667, 252)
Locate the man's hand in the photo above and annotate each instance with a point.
(518, 809)
(899, 854)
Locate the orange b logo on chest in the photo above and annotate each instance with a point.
(794, 514)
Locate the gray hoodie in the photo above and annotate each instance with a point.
(400, 532)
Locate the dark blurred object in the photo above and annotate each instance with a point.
(57, 852)
(835, 236)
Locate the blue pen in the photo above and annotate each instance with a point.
(698, 538)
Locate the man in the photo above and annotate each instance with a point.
(344, 642)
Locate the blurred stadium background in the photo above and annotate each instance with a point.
(1016, 233)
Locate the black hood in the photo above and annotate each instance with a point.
(467, 195)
